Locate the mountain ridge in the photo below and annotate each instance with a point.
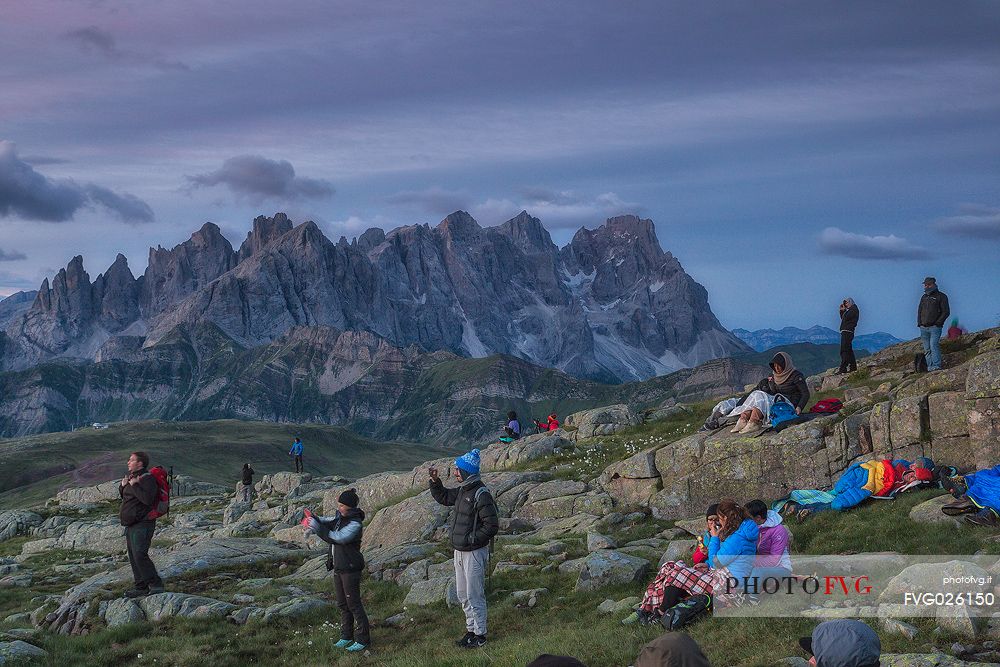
(765, 339)
(610, 306)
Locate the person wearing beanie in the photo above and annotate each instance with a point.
(343, 532)
(549, 660)
(674, 649)
(474, 523)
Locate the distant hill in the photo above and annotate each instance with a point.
(808, 358)
(765, 339)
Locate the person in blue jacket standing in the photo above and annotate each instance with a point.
(296, 452)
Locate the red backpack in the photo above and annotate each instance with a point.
(162, 505)
(827, 406)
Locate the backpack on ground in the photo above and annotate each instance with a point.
(827, 406)
(919, 363)
(781, 411)
(162, 504)
(684, 613)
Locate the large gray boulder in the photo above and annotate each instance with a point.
(89, 494)
(604, 568)
(440, 589)
(601, 421)
(163, 605)
(122, 611)
(18, 650)
(415, 519)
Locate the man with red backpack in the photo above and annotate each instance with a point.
(144, 498)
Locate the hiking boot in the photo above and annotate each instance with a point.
(985, 517)
(464, 641)
(750, 427)
(789, 509)
(740, 425)
(955, 486)
(961, 506)
(137, 592)
(477, 641)
(154, 589)
(344, 643)
(803, 514)
(356, 646)
(631, 618)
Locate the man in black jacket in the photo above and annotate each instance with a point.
(932, 313)
(139, 493)
(849, 315)
(474, 522)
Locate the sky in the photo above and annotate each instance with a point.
(790, 154)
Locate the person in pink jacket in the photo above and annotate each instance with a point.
(773, 559)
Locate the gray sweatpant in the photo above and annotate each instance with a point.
(470, 584)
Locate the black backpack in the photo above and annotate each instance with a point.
(686, 612)
(919, 363)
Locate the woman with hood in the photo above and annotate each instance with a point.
(785, 381)
(773, 559)
(343, 532)
(849, 315)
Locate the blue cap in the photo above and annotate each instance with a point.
(469, 462)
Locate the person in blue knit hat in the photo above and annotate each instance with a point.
(474, 522)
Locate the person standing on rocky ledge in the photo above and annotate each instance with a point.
(246, 479)
(932, 313)
(849, 315)
(296, 452)
(474, 523)
(139, 493)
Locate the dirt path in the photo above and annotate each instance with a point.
(96, 470)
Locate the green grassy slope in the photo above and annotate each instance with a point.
(32, 468)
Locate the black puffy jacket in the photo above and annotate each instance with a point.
(344, 533)
(933, 310)
(473, 522)
(794, 389)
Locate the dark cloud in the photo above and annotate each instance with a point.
(434, 200)
(28, 194)
(973, 221)
(127, 207)
(95, 40)
(259, 178)
(11, 255)
(835, 241)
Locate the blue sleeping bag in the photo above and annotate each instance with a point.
(984, 488)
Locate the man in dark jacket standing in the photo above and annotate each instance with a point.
(849, 315)
(474, 522)
(932, 313)
(139, 493)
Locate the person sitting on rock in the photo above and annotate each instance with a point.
(661, 595)
(858, 483)
(785, 381)
(773, 558)
(343, 532)
(978, 495)
(512, 431)
(551, 424)
(474, 524)
(674, 649)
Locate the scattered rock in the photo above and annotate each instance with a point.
(895, 626)
(603, 568)
(122, 611)
(19, 650)
(428, 592)
(597, 541)
(163, 605)
(929, 511)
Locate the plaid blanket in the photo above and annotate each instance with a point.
(804, 497)
(695, 581)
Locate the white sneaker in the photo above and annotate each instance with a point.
(740, 425)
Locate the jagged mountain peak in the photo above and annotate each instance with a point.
(459, 225)
(264, 231)
(527, 232)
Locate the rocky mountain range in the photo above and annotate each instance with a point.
(610, 306)
(321, 375)
(765, 339)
